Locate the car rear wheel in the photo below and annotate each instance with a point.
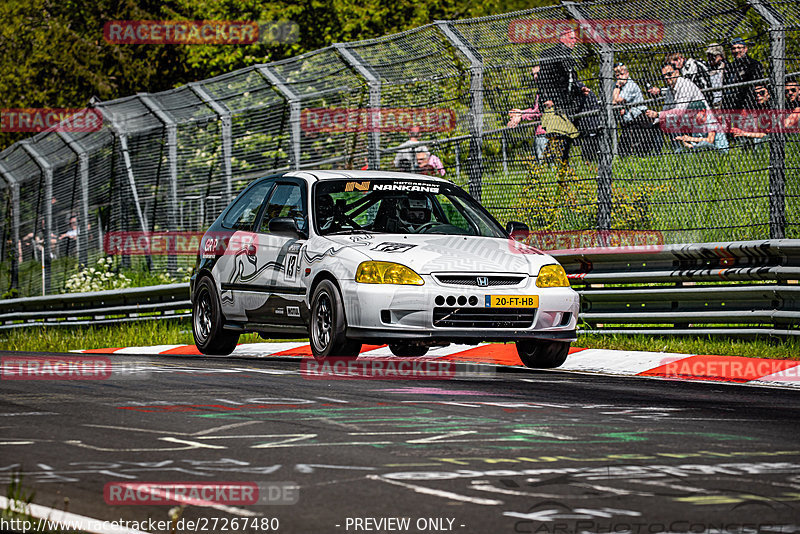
(328, 327)
(407, 349)
(542, 354)
(207, 322)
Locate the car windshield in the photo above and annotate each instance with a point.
(399, 207)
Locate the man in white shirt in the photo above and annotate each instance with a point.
(680, 93)
(405, 159)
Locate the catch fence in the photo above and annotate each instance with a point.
(166, 164)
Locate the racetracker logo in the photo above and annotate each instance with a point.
(577, 241)
(52, 119)
(201, 493)
(55, 368)
(612, 31)
(349, 120)
(349, 369)
(151, 243)
(202, 32)
(739, 122)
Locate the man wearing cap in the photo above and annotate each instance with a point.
(741, 69)
(716, 68)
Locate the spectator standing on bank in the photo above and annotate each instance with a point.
(531, 114)
(559, 87)
(716, 70)
(405, 160)
(428, 163)
(742, 68)
(692, 69)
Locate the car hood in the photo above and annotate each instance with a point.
(428, 254)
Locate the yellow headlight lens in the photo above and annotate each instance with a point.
(552, 276)
(385, 272)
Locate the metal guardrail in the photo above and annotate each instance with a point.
(744, 289)
(97, 308)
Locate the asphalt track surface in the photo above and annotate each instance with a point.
(525, 451)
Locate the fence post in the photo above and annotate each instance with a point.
(224, 115)
(13, 184)
(475, 118)
(109, 119)
(82, 241)
(294, 109)
(172, 155)
(605, 173)
(47, 171)
(777, 145)
(374, 121)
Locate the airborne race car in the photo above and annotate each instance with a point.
(349, 257)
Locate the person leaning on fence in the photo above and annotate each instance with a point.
(742, 68)
(562, 94)
(515, 116)
(750, 131)
(716, 71)
(680, 93)
(428, 163)
(708, 132)
(405, 160)
(638, 135)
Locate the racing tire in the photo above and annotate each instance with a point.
(542, 354)
(207, 322)
(407, 349)
(328, 326)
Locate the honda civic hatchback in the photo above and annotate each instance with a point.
(354, 257)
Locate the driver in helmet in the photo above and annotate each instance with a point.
(413, 211)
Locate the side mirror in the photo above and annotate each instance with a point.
(286, 227)
(517, 230)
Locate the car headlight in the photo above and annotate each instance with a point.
(385, 272)
(552, 276)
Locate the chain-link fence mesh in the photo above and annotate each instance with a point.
(575, 119)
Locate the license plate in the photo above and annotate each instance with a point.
(512, 301)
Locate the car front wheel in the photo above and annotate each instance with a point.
(542, 354)
(328, 326)
(207, 322)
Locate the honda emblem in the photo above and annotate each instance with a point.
(483, 281)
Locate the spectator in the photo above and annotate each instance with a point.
(638, 135)
(680, 93)
(691, 69)
(751, 131)
(428, 163)
(69, 239)
(792, 120)
(516, 115)
(716, 70)
(708, 135)
(560, 89)
(406, 151)
(741, 69)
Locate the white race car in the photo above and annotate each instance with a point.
(353, 257)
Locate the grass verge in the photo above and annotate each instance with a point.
(178, 332)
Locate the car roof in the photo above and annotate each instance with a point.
(363, 175)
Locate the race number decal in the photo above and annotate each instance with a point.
(291, 268)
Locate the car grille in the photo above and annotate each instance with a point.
(472, 280)
(483, 317)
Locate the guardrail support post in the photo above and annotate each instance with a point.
(777, 145)
(172, 155)
(294, 110)
(475, 158)
(82, 241)
(225, 118)
(13, 184)
(47, 171)
(605, 174)
(374, 121)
